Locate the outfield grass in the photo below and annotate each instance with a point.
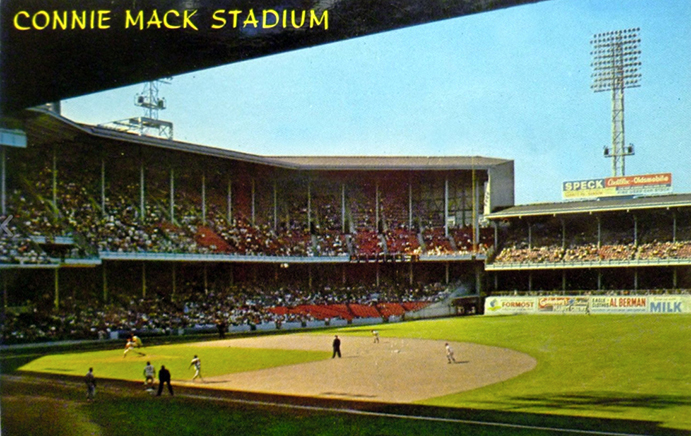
(216, 361)
(635, 367)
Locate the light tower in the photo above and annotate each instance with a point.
(149, 124)
(615, 67)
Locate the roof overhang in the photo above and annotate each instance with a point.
(108, 46)
(47, 126)
(593, 206)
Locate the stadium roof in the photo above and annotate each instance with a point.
(594, 206)
(48, 126)
(47, 64)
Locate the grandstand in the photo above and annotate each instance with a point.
(610, 245)
(144, 226)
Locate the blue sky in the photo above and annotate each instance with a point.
(513, 83)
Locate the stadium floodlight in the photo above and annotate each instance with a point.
(615, 65)
(149, 124)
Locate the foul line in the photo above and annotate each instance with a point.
(412, 417)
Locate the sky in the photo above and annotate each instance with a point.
(511, 84)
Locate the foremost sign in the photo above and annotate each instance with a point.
(645, 184)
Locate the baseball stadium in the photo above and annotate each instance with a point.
(207, 290)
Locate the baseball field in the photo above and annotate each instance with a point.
(553, 374)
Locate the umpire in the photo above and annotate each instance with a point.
(164, 377)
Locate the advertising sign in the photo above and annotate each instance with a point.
(562, 304)
(510, 305)
(572, 304)
(646, 184)
(619, 304)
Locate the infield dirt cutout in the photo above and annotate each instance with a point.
(394, 370)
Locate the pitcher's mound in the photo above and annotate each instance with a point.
(394, 370)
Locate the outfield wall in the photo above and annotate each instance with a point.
(571, 304)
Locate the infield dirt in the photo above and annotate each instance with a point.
(394, 370)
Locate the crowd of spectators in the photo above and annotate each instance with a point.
(609, 292)
(108, 203)
(166, 314)
(120, 227)
(17, 248)
(616, 245)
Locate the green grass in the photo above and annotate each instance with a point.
(215, 361)
(619, 367)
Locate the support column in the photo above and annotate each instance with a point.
(530, 281)
(674, 226)
(275, 206)
(446, 272)
(142, 209)
(530, 236)
(253, 198)
(410, 203)
(174, 281)
(230, 201)
(3, 183)
(599, 279)
(4, 292)
(206, 280)
(376, 206)
(495, 243)
(343, 209)
(478, 279)
(143, 279)
(104, 281)
(411, 279)
(172, 195)
(57, 288)
(103, 185)
(475, 211)
(309, 205)
(203, 198)
(674, 276)
(377, 271)
(446, 207)
(55, 182)
(563, 281)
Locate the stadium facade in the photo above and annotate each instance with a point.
(94, 213)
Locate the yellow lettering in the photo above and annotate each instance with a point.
(46, 20)
(219, 18)
(314, 20)
(154, 20)
(292, 19)
(235, 17)
(165, 19)
(16, 20)
(102, 18)
(58, 21)
(265, 14)
(76, 21)
(133, 22)
(186, 22)
(251, 19)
